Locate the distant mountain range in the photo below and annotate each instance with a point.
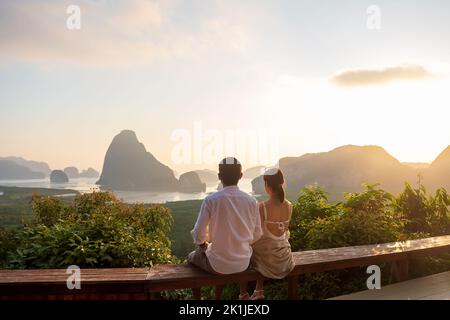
(344, 169)
(34, 166)
(438, 174)
(73, 173)
(17, 168)
(417, 165)
(128, 166)
(252, 173)
(89, 173)
(208, 176)
(10, 170)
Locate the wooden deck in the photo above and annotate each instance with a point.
(146, 283)
(434, 287)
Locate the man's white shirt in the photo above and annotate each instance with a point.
(229, 219)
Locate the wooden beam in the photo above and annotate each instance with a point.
(197, 293)
(218, 292)
(137, 282)
(154, 296)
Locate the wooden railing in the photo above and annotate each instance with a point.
(147, 283)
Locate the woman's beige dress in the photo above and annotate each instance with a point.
(272, 256)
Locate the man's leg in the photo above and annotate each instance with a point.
(199, 259)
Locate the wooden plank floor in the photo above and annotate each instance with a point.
(434, 287)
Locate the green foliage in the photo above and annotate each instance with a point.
(16, 203)
(47, 210)
(184, 214)
(312, 204)
(365, 217)
(439, 219)
(424, 213)
(97, 230)
(8, 244)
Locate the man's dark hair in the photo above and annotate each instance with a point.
(230, 171)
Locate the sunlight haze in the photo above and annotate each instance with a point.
(315, 74)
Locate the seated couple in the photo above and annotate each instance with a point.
(234, 232)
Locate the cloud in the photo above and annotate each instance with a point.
(361, 77)
(113, 33)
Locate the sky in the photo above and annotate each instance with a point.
(191, 77)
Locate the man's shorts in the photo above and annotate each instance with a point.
(198, 258)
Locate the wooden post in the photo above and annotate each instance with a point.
(403, 269)
(219, 290)
(153, 296)
(394, 272)
(197, 293)
(293, 287)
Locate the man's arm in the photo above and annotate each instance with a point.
(200, 233)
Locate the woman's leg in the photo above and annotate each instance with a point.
(260, 284)
(258, 294)
(243, 287)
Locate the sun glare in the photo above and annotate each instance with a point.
(407, 118)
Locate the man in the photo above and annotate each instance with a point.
(228, 223)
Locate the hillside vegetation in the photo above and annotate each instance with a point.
(15, 202)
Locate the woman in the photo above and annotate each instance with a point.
(272, 256)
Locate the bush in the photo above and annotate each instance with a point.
(363, 218)
(423, 213)
(97, 230)
(366, 217)
(312, 204)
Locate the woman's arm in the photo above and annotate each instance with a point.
(290, 208)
